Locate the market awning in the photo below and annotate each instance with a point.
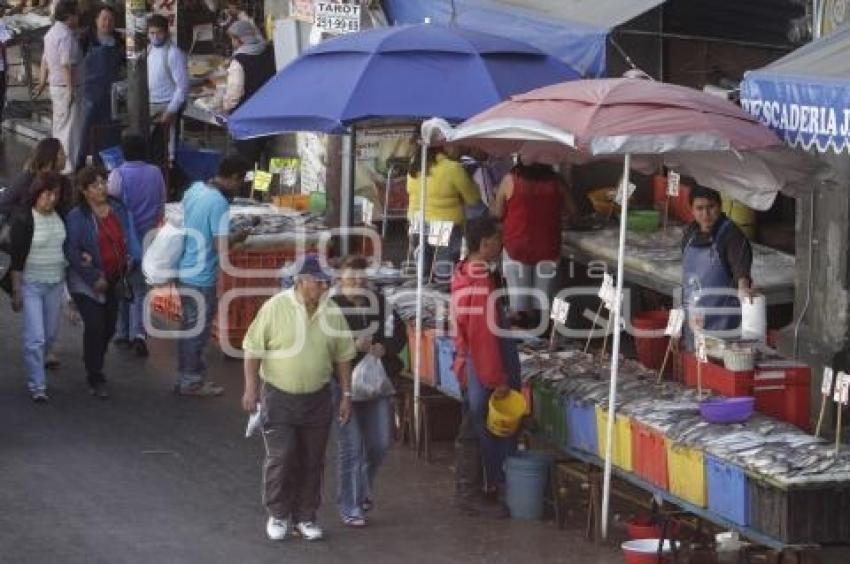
(805, 96)
(572, 30)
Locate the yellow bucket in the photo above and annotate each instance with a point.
(505, 414)
(686, 471)
(621, 451)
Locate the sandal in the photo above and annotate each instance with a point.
(203, 390)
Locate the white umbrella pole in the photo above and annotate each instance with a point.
(615, 349)
(420, 275)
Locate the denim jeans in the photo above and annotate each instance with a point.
(494, 450)
(131, 320)
(190, 350)
(363, 444)
(41, 313)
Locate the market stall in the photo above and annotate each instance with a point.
(704, 137)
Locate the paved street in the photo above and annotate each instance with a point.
(149, 477)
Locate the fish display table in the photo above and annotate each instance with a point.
(654, 260)
(767, 479)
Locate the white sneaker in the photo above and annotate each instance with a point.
(277, 529)
(309, 530)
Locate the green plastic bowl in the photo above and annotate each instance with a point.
(643, 221)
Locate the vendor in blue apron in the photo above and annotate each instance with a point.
(716, 262)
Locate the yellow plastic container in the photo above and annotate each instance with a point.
(686, 472)
(621, 451)
(505, 414)
(741, 215)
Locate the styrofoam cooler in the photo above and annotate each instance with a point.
(781, 389)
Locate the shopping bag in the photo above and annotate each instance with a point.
(162, 257)
(369, 380)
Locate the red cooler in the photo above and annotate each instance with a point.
(781, 389)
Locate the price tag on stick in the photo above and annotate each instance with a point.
(367, 210)
(560, 311)
(262, 180)
(440, 233)
(675, 323)
(673, 180)
(828, 377)
(840, 384)
(702, 354)
(618, 198)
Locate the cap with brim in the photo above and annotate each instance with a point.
(312, 267)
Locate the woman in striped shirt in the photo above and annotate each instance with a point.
(38, 275)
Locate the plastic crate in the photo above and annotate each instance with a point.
(447, 381)
(782, 391)
(621, 451)
(549, 413)
(728, 490)
(427, 374)
(717, 378)
(649, 455)
(686, 472)
(817, 514)
(581, 426)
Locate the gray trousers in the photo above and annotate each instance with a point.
(295, 435)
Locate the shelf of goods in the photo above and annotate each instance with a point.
(765, 478)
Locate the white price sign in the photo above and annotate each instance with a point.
(607, 292)
(560, 311)
(702, 354)
(828, 377)
(842, 388)
(414, 227)
(673, 180)
(675, 323)
(367, 209)
(336, 18)
(618, 199)
(440, 233)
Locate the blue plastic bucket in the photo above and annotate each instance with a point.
(526, 477)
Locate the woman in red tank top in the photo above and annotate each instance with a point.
(531, 202)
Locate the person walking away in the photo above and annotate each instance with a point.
(366, 438)
(103, 57)
(531, 202)
(48, 156)
(206, 220)
(61, 67)
(251, 67)
(101, 249)
(168, 85)
(295, 343)
(717, 261)
(486, 364)
(37, 276)
(141, 187)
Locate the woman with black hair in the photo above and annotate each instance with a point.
(531, 202)
(100, 248)
(48, 156)
(36, 278)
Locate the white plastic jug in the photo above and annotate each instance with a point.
(754, 318)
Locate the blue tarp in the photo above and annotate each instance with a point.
(805, 96)
(580, 45)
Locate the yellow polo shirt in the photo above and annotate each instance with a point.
(449, 189)
(298, 354)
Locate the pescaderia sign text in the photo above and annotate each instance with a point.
(809, 119)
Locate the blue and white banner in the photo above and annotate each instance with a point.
(805, 112)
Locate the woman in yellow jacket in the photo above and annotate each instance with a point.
(449, 191)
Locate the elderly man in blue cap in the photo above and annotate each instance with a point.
(297, 341)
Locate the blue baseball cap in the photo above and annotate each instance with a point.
(313, 267)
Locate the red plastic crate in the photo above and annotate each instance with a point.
(717, 378)
(649, 455)
(782, 391)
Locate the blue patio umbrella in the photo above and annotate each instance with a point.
(409, 72)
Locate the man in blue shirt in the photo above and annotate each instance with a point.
(207, 223)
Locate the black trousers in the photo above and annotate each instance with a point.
(295, 434)
(98, 328)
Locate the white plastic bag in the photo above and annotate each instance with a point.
(255, 421)
(162, 257)
(369, 380)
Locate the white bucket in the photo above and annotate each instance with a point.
(754, 318)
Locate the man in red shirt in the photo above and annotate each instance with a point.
(485, 363)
